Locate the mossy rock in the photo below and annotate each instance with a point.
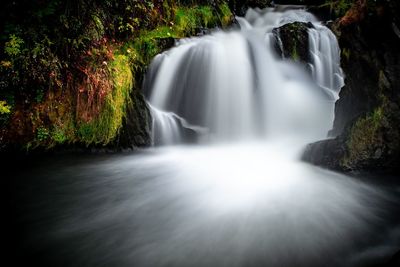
(292, 41)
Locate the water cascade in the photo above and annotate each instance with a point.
(237, 195)
(234, 87)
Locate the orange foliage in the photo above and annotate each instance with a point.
(355, 14)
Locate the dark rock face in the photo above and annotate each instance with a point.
(165, 43)
(292, 41)
(367, 115)
(136, 128)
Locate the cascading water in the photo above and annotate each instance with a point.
(240, 197)
(233, 85)
(252, 113)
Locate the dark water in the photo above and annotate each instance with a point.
(168, 208)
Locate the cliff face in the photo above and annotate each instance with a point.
(71, 71)
(367, 115)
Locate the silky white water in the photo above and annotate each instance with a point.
(234, 86)
(239, 195)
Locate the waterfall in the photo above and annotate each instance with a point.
(325, 60)
(240, 197)
(233, 86)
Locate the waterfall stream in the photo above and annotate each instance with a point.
(235, 86)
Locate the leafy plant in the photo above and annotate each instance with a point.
(13, 47)
(58, 136)
(42, 134)
(4, 108)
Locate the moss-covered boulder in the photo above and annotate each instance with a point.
(292, 41)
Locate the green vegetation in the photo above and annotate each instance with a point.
(186, 22)
(339, 7)
(295, 55)
(4, 108)
(365, 138)
(13, 47)
(356, 7)
(58, 136)
(346, 53)
(42, 134)
(104, 128)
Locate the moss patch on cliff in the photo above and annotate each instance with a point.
(187, 22)
(104, 128)
(365, 141)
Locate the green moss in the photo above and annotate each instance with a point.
(207, 16)
(226, 14)
(185, 19)
(188, 19)
(4, 108)
(146, 43)
(5, 113)
(104, 129)
(365, 138)
(58, 136)
(186, 22)
(346, 53)
(295, 55)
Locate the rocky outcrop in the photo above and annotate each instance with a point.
(367, 115)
